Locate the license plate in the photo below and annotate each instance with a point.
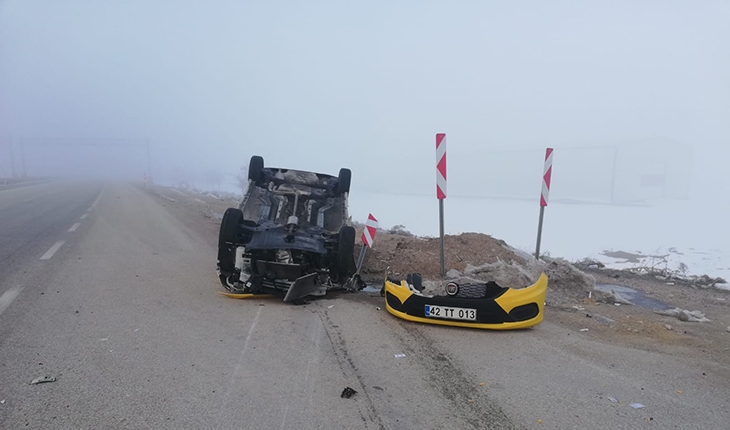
(450, 313)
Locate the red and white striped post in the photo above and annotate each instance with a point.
(368, 237)
(546, 176)
(441, 189)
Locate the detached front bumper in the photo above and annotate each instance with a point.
(501, 309)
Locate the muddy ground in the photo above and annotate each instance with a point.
(572, 300)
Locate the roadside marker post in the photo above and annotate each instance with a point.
(368, 237)
(546, 177)
(441, 190)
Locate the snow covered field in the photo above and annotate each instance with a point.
(670, 232)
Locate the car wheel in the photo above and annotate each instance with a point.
(343, 183)
(255, 166)
(227, 236)
(346, 251)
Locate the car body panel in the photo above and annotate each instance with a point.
(510, 309)
(290, 234)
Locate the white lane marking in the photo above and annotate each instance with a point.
(74, 227)
(84, 216)
(56, 246)
(93, 205)
(237, 369)
(7, 298)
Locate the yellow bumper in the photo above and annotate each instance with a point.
(508, 310)
(247, 296)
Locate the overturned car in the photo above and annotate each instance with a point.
(484, 305)
(290, 236)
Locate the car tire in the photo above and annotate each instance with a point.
(255, 168)
(227, 236)
(343, 181)
(346, 252)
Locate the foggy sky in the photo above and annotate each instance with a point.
(320, 85)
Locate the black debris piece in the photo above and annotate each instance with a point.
(347, 393)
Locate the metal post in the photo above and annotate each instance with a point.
(441, 234)
(22, 158)
(361, 258)
(149, 164)
(539, 232)
(12, 159)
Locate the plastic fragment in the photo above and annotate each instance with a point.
(613, 400)
(637, 405)
(347, 393)
(399, 355)
(583, 329)
(330, 306)
(42, 379)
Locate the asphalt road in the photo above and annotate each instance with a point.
(125, 314)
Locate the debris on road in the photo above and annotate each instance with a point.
(637, 405)
(399, 355)
(2, 402)
(613, 400)
(347, 393)
(330, 306)
(668, 327)
(684, 315)
(42, 379)
(583, 329)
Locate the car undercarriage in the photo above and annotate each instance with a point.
(290, 236)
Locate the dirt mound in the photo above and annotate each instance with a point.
(472, 256)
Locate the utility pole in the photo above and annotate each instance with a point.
(12, 159)
(22, 158)
(149, 163)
